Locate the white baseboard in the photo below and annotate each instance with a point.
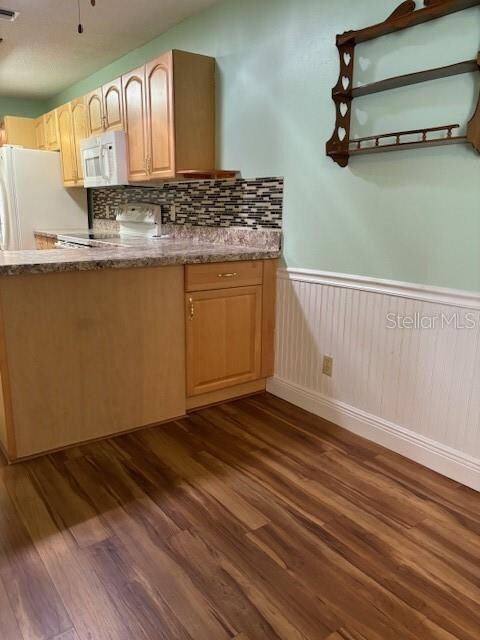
(441, 458)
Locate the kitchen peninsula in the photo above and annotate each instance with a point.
(99, 341)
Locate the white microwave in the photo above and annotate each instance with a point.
(104, 159)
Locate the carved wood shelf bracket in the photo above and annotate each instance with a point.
(340, 147)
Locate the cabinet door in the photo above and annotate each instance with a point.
(160, 120)
(95, 116)
(50, 121)
(40, 133)
(223, 338)
(80, 132)
(113, 105)
(67, 145)
(135, 123)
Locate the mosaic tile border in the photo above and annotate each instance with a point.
(256, 204)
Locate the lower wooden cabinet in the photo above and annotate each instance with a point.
(230, 311)
(224, 338)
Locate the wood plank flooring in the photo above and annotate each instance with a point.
(249, 521)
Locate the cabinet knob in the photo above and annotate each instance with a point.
(228, 275)
(191, 308)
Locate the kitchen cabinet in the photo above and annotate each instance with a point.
(80, 132)
(223, 338)
(67, 145)
(18, 131)
(113, 105)
(229, 325)
(135, 123)
(72, 124)
(169, 116)
(104, 108)
(52, 139)
(105, 354)
(94, 107)
(114, 350)
(39, 126)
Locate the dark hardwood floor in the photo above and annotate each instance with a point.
(249, 521)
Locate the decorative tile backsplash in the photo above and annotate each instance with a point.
(256, 204)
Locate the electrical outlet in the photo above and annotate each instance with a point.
(328, 366)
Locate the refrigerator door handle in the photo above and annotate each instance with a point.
(4, 217)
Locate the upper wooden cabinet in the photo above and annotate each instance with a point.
(52, 141)
(160, 117)
(39, 126)
(105, 108)
(136, 123)
(169, 112)
(80, 132)
(94, 107)
(67, 145)
(72, 124)
(113, 105)
(18, 131)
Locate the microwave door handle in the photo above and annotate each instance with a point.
(105, 163)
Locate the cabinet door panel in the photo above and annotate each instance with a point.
(40, 133)
(113, 105)
(51, 131)
(80, 132)
(159, 92)
(135, 123)
(67, 145)
(223, 338)
(94, 104)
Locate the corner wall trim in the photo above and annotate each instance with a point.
(434, 455)
(436, 295)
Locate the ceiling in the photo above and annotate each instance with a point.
(42, 53)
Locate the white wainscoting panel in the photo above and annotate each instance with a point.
(413, 390)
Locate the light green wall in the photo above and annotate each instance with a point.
(21, 107)
(411, 216)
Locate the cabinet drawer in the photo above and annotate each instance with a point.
(222, 275)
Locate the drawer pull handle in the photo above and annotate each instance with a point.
(227, 275)
(191, 308)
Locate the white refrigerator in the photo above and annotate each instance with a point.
(33, 198)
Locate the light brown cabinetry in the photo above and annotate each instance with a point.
(72, 126)
(105, 354)
(113, 105)
(94, 105)
(169, 112)
(39, 126)
(229, 324)
(223, 338)
(67, 145)
(80, 132)
(105, 108)
(136, 123)
(18, 131)
(52, 139)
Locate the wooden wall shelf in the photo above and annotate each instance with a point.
(404, 17)
(356, 145)
(339, 147)
(469, 66)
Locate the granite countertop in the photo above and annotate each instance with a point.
(133, 253)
